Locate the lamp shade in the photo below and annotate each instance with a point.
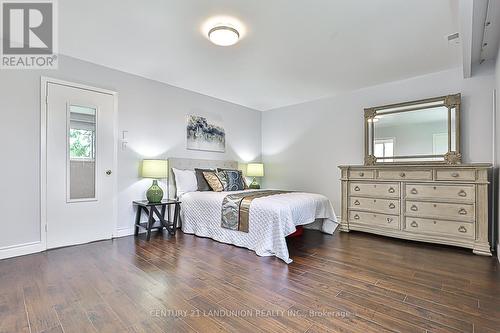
(255, 170)
(157, 169)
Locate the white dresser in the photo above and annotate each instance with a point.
(431, 203)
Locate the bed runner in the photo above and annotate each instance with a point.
(236, 208)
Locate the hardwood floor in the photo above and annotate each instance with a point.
(343, 283)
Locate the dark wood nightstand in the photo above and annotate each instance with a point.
(151, 209)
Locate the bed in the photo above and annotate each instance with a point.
(271, 218)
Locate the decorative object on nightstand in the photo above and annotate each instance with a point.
(155, 169)
(150, 209)
(255, 170)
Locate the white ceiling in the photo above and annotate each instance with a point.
(292, 51)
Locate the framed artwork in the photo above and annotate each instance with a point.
(204, 135)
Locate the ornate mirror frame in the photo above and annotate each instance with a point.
(452, 102)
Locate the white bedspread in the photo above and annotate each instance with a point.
(271, 219)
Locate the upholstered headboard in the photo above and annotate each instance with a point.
(191, 164)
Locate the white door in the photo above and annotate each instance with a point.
(80, 155)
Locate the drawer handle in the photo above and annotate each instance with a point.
(414, 208)
(462, 211)
(361, 174)
(356, 188)
(455, 174)
(392, 206)
(462, 229)
(414, 191)
(402, 174)
(390, 219)
(356, 203)
(391, 190)
(356, 217)
(462, 194)
(414, 224)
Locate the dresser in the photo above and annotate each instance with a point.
(444, 204)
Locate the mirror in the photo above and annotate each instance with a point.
(425, 131)
(81, 154)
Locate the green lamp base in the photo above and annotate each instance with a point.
(254, 185)
(155, 193)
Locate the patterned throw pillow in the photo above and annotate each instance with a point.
(213, 181)
(232, 180)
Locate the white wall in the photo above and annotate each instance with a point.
(302, 145)
(154, 114)
(497, 147)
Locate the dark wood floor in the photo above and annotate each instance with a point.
(346, 283)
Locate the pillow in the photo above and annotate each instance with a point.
(213, 180)
(185, 181)
(202, 182)
(232, 180)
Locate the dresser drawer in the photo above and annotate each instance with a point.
(361, 174)
(374, 219)
(374, 189)
(452, 211)
(438, 227)
(375, 204)
(456, 174)
(405, 174)
(433, 191)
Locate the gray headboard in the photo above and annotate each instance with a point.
(191, 164)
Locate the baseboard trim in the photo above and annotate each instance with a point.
(122, 232)
(20, 250)
(498, 252)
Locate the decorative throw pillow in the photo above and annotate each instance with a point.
(232, 180)
(185, 181)
(202, 182)
(213, 180)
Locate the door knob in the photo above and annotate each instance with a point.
(109, 172)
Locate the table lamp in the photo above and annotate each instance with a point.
(255, 170)
(155, 169)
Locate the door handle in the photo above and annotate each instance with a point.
(455, 174)
(402, 174)
(414, 191)
(462, 229)
(356, 203)
(356, 188)
(391, 190)
(390, 219)
(109, 172)
(414, 224)
(356, 217)
(462, 194)
(462, 211)
(392, 206)
(361, 174)
(414, 208)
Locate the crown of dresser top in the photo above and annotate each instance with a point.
(432, 203)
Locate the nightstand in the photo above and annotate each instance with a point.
(151, 209)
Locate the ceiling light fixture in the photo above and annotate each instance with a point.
(223, 35)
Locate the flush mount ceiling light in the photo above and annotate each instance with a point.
(223, 35)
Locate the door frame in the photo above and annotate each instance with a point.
(44, 82)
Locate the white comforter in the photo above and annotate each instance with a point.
(271, 219)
